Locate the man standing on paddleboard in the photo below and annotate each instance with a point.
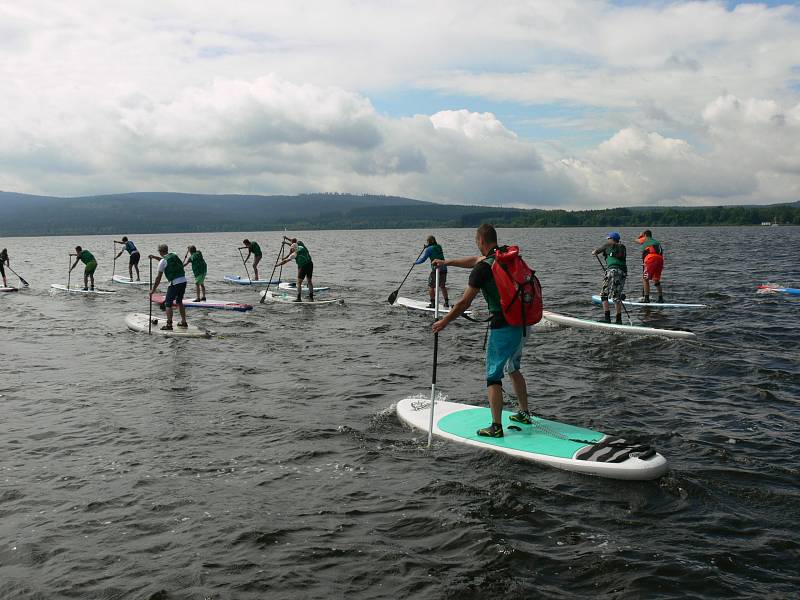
(505, 342)
(4, 261)
(653, 263)
(170, 266)
(133, 263)
(91, 266)
(433, 251)
(305, 266)
(254, 249)
(616, 272)
(199, 270)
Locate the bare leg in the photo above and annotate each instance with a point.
(444, 293)
(496, 402)
(431, 292)
(203, 286)
(182, 310)
(520, 389)
(91, 278)
(256, 260)
(646, 285)
(130, 271)
(169, 315)
(310, 287)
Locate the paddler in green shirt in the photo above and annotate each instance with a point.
(305, 266)
(87, 258)
(616, 273)
(171, 267)
(199, 270)
(254, 249)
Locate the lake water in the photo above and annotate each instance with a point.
(267, 461)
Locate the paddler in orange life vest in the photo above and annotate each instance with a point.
(653, 263)
(505, 342)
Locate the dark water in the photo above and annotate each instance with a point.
(267, 461)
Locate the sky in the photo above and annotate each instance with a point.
(568, 104)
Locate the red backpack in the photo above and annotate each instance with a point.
(519, 288)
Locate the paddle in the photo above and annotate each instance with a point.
(69, 270)
(271, 275)
(620, 300)
(435, 360)
(245, 264)
(114, 254)
(25, 283)
(150, 301)
(393, 296)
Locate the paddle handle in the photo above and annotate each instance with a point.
(150, 301)
(435, 361)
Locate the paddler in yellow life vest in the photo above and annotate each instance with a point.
(88, 259)
(433, 251)
(171, 267)
(305, 266)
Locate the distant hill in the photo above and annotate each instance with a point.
(155, 212)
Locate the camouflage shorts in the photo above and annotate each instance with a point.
(613, 284)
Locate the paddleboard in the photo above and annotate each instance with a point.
(422, 305)
(291, 286)
(269, 296)
(596, 299)
(774, 289)
(63, 288)
(210, 304)
(613, 327)
(544, 442)
(138, 322)
(245, 281)
(127, 280)
(9, 289)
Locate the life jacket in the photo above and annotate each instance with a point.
(302, 255)
(174, 268)
(650, 247)
(519, 288)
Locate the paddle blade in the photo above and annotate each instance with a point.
(392, 297)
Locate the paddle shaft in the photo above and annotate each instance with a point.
(69, 271)
(114, 255)
(435, 361)
(271, 275)
(620, 300)
(150, 301)
(25, 283)
(244, 263)
(393, 295)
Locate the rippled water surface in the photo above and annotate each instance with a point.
(267, 461)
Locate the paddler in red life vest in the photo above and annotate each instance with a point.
(653, 264)
(171, 267)
(433, 251)
(616, 273)
(505, 342)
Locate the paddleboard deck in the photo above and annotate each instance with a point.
(245, 281)
(208, 304)
(126, 280)
(567, 321)
(139, 322)
(290, 286)
(421, 305)
(597, 300)
(269, 296)
(544, 442)
(9, 289)
(63, 288)
(774, 289)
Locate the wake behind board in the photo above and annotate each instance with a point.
(421, 305)
(775, 289)
(269, 296)
(246, 281)
(544, 442)
(96, 292)
(126, 280)
(9, 289)
(597, 300)
(613, 327)
(209, 304)
(291, 286)
(139, 322)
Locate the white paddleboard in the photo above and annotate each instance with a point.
(597, 300)
(421, 305)
(291, 286)
(72, 290)
(139, 322)
(209, 304)
(127, 280)
(613, 327)
(9, 289)
(544, 442)
(245, 281)
(269, 296)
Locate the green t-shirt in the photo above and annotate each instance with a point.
(302, 256)
(255, 248)
(86, 257)
(648, 244)
(199, 266)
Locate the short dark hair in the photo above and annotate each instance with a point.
(246, 242)
(124, 238)
(431, 240)
(647, 233)
(192, 249)
(78, 248)
(488, 233)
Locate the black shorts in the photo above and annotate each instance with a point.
(135, 256)
(175, 294)
(442, 278)
(307, 270)
(2, 270)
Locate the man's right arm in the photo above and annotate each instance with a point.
(466, 262)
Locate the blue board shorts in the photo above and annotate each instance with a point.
(503, 353)
(175, 294)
